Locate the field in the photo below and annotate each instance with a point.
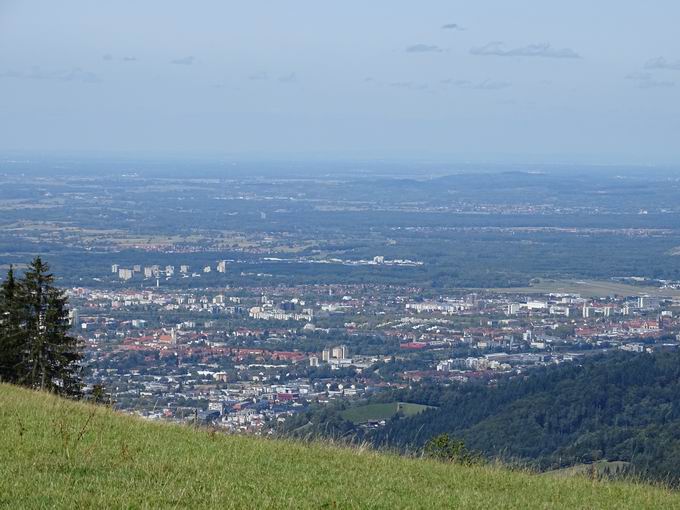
(590, 288)
(370, 412)
(60, 454)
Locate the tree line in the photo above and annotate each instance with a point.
(620, 406)
(36, 348)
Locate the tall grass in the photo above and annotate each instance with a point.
(56, 453)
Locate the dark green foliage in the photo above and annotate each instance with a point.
(446, 449)
(36, 349)
(617, 407)
(98, 395)
(321, 422)
(10, 328)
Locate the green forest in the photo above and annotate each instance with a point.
(614, 407)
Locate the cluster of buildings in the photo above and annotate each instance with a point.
(286, 311)
(247, 358)
(156, 271)
(572, 306)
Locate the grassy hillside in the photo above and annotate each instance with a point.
(56, 453)
(601, 468)
(362, 414)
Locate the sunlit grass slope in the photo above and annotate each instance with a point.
(382, 411)
(57, 453)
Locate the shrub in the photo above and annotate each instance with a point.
(446, 449)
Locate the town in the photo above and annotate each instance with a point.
(244, 358)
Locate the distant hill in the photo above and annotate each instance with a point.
(61, 454)
(617, 407)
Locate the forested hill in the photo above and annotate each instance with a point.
(620, 406)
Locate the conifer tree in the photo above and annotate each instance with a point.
(50, 359)
(10, 329)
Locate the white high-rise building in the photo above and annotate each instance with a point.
(74, 317)
(339, 352)
(125, 274)
(513, 308)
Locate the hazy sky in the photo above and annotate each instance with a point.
(595, 80)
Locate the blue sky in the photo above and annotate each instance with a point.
(466, 81)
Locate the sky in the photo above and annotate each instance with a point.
(504, 80)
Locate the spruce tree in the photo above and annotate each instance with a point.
(51, 356)
(11, 337)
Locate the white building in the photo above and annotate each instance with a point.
(125, 274)
(513, 308)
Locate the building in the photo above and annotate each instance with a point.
(335, 354)
(221, 376)
(125, 274)
(74, 317)
(267, 312)
(634, 347)
(513, 308)
(339, 352)
(536, 305)
(216, 407)
(114, 268)
(447, 307)
(560, 310)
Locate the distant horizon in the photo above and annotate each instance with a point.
(7, 156)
